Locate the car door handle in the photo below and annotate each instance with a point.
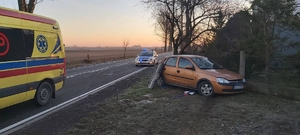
(178, 71)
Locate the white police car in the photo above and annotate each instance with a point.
(147, 57)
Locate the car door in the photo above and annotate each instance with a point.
(185, 77)
(169, 70)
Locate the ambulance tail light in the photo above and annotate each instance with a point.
(65, 66)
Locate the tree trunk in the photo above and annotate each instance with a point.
(188, 32)
(166, 40)
(125, 52)
(267, 59)
(22, 5)
(31, 6)
(175, 51)
(170, 44)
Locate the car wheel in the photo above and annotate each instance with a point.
(160, 81)
(136, 65)
(206, 89)
(43, 94)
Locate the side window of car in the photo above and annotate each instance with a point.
(171, 62)
(183, 62)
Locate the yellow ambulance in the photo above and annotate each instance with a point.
(32, 58)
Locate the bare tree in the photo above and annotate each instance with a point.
(28, 5)
(189, 19)
(162, 26)
(125, 45)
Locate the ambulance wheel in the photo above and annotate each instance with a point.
(43, 94)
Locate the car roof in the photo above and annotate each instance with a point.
(186, 55)
(27, 16)
(147, 51)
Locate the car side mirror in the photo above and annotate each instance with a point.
(190, 67)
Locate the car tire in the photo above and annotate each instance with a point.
(160, 81)
(206, 89)
(43, 94)
(136, 65)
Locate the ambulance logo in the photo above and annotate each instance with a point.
(41, 43)
(4, 45)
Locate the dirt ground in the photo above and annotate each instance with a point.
(166, 111)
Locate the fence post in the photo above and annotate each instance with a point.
(242, 63)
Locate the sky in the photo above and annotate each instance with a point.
(99, 22)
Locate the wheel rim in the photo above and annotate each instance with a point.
(206, 89)
(44, 94)
(160, 81)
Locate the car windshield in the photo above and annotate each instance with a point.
(148, 53)
(205, 63)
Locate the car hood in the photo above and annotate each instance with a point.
(223, 73)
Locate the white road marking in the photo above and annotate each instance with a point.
(117, 65)
(92, 71)
(14, 127)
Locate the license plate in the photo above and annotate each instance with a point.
(238, 87)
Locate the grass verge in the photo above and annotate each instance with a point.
(84, 62)
(164, 111)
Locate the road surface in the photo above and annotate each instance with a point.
(79, 81)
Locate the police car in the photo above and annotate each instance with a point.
(147, 57)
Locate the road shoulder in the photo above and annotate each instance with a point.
(59, 122)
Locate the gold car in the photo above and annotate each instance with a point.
(201, 74)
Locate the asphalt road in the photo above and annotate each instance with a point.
(79, 81)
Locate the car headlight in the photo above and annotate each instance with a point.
(222, 80)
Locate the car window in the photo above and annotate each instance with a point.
(171, 62)
(205, 63)
(183, 62)
(148, 53)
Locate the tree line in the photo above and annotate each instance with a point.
(221, 28)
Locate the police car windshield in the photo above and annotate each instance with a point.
(148, 53)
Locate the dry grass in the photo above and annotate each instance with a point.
(143, 111)
(76, 58)
(96, 54)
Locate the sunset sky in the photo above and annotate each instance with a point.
(99, 22)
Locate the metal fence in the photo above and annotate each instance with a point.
(282, 70)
